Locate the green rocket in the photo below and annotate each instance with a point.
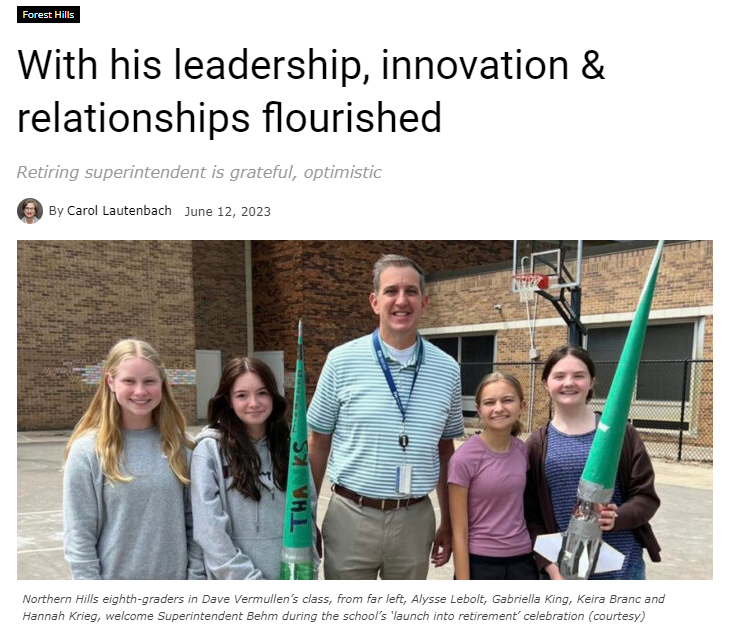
(582, 551)
(296, 554)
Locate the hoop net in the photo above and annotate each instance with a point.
(529, 283)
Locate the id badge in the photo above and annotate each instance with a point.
(403, 479)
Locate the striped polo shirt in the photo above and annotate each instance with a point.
(353, 403)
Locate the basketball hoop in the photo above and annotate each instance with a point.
(529, 283)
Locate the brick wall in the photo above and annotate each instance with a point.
(76, 299)
(327, 284)
(611, 284)
(220, 315)
(181, 295)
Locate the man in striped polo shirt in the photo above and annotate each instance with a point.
(388, 406)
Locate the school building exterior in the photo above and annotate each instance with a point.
(673, 401)
(202, 302)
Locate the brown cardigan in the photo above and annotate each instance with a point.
(636, 478)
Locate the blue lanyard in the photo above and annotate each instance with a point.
(389, 378)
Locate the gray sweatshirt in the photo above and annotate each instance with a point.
(241, 538)
(140, 530)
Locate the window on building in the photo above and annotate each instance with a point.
(664, 377)
(475, 355)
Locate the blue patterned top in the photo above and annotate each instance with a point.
(566, 456)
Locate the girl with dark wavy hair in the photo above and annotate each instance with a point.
(557, 455)
(239, 471)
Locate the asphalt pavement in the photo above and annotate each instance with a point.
(683, 524)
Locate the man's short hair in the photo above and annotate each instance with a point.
(394, 260)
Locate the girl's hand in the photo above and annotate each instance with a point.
(608, 514)
(553, 572)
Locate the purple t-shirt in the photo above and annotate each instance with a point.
(495, 482)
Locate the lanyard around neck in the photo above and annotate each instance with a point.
(389, 378)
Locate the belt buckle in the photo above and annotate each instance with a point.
(390, 504)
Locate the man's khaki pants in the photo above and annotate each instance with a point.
(361, 543)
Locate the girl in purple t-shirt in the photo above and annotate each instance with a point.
(487, 477)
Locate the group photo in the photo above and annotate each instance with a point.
(363, 410)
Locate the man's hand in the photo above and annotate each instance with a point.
(442, 548)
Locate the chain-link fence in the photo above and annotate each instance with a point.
(671, 408)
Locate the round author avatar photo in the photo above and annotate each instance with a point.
(30, 211)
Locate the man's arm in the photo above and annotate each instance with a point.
(319, 447)
(321, 417)
(442, 548)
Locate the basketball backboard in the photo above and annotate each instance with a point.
(560, 260)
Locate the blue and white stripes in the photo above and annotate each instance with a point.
(353, 403)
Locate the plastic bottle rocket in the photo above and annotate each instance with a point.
(580, 551)
(296, 554)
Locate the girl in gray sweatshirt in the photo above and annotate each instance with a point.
(127, 514)
(239, 470)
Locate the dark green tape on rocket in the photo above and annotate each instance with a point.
(297, 554)
(602, 462)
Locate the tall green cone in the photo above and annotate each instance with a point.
(583, 552)
(296, 555)
(602, 462)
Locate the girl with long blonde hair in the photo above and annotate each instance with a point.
(126, 506)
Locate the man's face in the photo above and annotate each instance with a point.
(399, 304)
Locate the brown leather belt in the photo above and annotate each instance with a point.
(385, 504)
